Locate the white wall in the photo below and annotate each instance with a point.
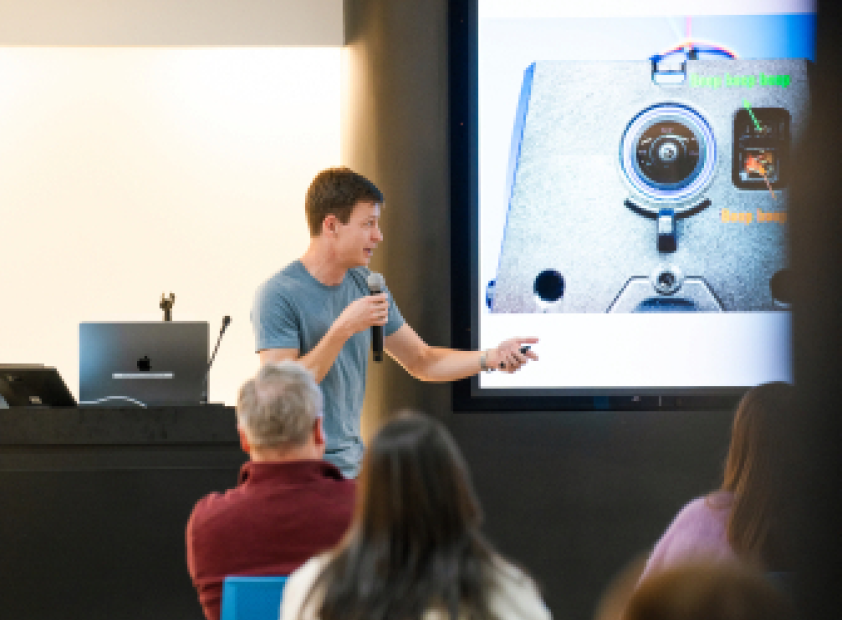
(129, 172)
(171, 22)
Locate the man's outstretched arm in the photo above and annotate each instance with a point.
(442, 364)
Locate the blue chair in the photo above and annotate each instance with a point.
(252, 598)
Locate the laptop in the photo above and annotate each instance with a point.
(160, 363)
(33, 385)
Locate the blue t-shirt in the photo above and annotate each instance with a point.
(293, 310)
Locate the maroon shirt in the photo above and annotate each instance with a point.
(276, 518)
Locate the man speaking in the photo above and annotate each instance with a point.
(319, 310)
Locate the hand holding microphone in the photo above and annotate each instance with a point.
(364, 312)
(376, 285)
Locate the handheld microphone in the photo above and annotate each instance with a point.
(226, 321)
(376, 284)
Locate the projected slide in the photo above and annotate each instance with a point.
(651, 196)
(634, 191)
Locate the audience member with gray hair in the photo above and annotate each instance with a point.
(289, 503)
(279, 408)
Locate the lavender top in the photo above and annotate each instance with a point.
(699, 530)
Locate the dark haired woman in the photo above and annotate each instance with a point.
(743, 520)
(414, 549)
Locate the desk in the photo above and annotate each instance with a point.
(95, 501)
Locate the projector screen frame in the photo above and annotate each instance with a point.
(465, 272)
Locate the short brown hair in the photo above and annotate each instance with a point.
(335, 191)
(708, 591)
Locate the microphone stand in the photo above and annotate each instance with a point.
(226, 321)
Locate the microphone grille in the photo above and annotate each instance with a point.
(376, 282)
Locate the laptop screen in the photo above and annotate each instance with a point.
(33, 385)
(157, 363)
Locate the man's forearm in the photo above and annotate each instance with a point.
(321, 358)
(440, 364)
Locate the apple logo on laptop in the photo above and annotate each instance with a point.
(144, 364)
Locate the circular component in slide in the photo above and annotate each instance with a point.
(668, 153)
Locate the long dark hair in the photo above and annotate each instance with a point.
(414, 543)
(757, 470)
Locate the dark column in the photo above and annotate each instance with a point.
(395, 132)
(816, 231)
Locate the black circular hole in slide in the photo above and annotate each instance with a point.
(549, 285)
(780, 285)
